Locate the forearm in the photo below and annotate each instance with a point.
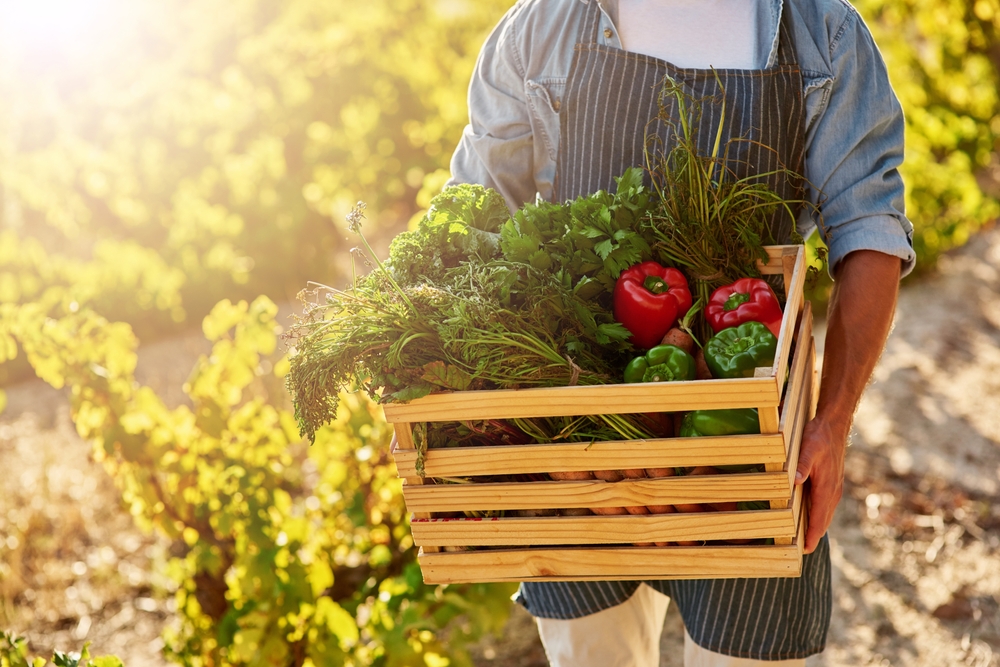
(858, 323)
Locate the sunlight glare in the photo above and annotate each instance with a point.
(71, 27)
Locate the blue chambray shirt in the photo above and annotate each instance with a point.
(854, 123)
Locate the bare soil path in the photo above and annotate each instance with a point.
(916, 540)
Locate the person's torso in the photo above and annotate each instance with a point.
(543, 34)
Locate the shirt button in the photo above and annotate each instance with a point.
(556, 105)
(608, 33)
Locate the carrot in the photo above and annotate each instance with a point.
(572, 476)
(723, 507)
(689, 507)
(679, 338)
(702, 371)
(575, 511)
(609, 511)
(535, 513)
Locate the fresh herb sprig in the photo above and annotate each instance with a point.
(449, 310)
(708, 221)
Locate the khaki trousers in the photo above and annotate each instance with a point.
(629, 636)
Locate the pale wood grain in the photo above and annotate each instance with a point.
(612, 563)
(595, 493)
(801, 417)
(596, 399)
(404, 442)
(794, 300)
(774, 266)
(581, 456)
(572, 530)
(801, 366)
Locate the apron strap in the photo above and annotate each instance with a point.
(786, 39)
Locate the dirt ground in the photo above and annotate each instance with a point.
(915, 543)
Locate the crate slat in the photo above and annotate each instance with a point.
(802, 414)
(596, 493)
(590, 399)
(797, 400)
(611, 455)
(404, 442)
(569, 530)
(794, 300)
(773, 266)
(614, 563)
(801, 367)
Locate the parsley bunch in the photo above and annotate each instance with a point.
(474, 298)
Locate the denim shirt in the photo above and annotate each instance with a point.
(854, 123)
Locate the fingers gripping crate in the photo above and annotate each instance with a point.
(573, 548)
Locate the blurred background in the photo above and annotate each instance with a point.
(172, 173)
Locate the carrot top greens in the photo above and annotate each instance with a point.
(474, 298)
(477, 298)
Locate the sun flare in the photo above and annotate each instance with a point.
(70, 27)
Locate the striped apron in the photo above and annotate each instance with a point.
(611, 95)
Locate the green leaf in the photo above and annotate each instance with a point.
(518, 248)
(446, 375)
(604, 248)
(61, 659)
(613, 331)
(587, 288)
(411, 393)
(106, 661)
(631, 180)
(541, 260)
(338, 621)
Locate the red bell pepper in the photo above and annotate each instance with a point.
(648, 299)
(746, 300)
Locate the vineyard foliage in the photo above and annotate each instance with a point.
(944, 62)
(14, 653)
(288, 554)
(203, 153)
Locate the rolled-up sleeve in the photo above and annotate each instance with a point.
(854, 153)
(496, 148)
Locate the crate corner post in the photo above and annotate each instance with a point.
(406, 446)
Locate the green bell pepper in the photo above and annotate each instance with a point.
(735, 421)
(750, 505)
(735, 352)
(663, 363)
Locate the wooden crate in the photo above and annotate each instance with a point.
(598, 547)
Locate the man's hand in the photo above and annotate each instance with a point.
(821, 461)
(858, 322)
